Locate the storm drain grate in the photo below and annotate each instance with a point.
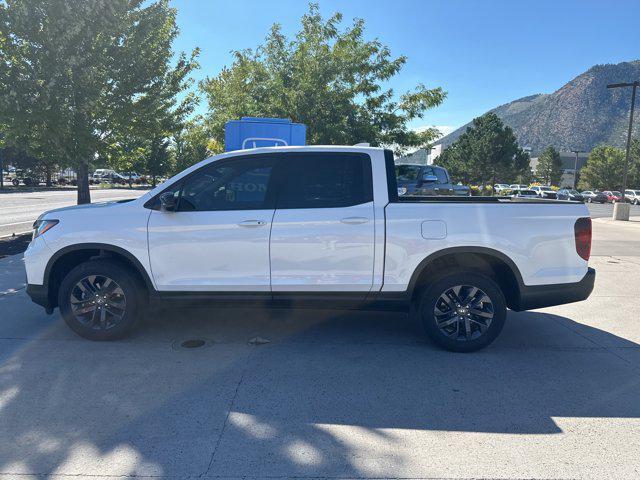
(193, 343)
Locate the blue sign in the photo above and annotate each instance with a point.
(252, 132)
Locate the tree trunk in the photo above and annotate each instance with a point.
(84, 194)
(153, 181)
(48, 179)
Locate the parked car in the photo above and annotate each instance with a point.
(633, 196)
(217, 232)
(518, 186)
(592, 196)
(613, 196)
(569, 194)
(461, 191)
(500, 187)
(544, 191)
(523, 193)
(105, 175)
(423, 180)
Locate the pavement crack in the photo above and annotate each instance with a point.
(603, 347)
(226, 420)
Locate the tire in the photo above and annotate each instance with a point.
(488, 300)
(589, 200)
(110, 316)
(15, 182)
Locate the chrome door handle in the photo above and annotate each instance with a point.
(354, 220)
(252, 223)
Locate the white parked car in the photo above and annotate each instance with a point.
(633, 196)
(524, 193)
(544, 191)
(499, 187)
(319, 226)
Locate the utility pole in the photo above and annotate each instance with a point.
(575, 167)
(634, 86)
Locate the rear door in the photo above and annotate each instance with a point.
(322, 236)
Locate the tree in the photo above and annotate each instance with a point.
(549, 168)
(603, 170)
(190, 146)
(329, 78)
(487, 152)
(79, 72)
(157, 159)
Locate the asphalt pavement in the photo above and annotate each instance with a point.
(605, 210)
(328, 394)
(18, 210)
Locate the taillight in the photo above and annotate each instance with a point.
(582, 230)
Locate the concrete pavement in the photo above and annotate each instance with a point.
(18, 210)
(335, 394)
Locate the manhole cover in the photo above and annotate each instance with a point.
(193, 343)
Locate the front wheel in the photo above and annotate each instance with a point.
(463, 311)
(100, 300)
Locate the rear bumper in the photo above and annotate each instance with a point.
(539, 296)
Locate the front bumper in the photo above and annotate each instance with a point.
(539, 296)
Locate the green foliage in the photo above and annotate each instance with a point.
(79, 76)
(190, 146)
(157, 160)
(327, 77)
(487, 152)
(549, 168)
(605, 166)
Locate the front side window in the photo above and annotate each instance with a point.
(326, 180)
(441, 175)
(240, 184)
(407, 173)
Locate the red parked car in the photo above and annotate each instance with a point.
(612, 196)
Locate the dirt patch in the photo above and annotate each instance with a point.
(14, 245)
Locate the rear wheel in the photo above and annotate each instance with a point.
(463, 311)
(100, 300)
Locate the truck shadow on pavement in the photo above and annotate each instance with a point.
(332, 394)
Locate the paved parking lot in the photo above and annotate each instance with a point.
(18, 210)
(335, 394)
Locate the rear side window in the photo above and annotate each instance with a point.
(325, 180)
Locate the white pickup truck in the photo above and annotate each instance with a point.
(313, 226)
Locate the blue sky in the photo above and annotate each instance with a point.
(483, 53)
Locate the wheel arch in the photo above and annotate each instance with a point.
(497, 265)
(70, 256)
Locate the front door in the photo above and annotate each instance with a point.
(218, 238)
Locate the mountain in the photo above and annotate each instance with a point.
(581, 114)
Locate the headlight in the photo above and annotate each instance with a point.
(402, 190)
(42, 226)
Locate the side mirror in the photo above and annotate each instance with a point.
(168, 202)
(428, 178)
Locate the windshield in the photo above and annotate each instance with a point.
(407, 173)
(616, 193)
(546, 189)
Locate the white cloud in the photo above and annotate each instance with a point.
(444, 129)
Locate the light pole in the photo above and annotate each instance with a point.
(634, 86)
(575, 167)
